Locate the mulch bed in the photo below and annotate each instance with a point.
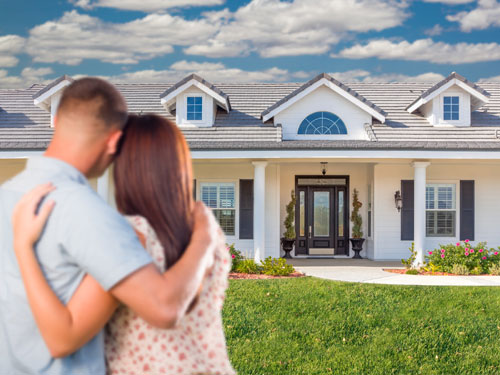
(423, 273)
(248, 276)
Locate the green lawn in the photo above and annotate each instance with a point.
(313, 326)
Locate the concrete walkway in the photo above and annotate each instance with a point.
(371, 272)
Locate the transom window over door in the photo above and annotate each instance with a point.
(451, 108)
(195, 108)
(220, 198)
(440, 202)
(322, 123)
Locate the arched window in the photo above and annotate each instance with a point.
(322, 123)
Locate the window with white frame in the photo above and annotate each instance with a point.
(440, 204)
(451, 108)
(194, 110)
(220, 197)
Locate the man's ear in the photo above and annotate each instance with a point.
(113, 140)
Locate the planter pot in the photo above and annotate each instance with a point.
(357, 246)
(287, 246)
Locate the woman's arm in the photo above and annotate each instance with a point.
(64, 328)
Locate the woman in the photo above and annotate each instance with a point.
(153, 188)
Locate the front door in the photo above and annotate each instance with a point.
(321, 220)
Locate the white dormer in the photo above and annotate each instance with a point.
(194, 101)
(48, 98)
(324, 109)
(450, 102)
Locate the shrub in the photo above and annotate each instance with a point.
(408, 263)
(356, 219)
(477, 259)
(236, 256)
(460, 269)
(276, 267)
(248, 266)
(290, 219)
(495, 269)
(412, 271)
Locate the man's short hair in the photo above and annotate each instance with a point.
(109, 106)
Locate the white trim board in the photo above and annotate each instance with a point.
(346, 154)
(166, 101)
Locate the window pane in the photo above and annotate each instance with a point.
(454, 99)
(190, 100)
(190, 108)
(321, 205)
(340, 214)
(197, 116)
(209, 195)
(226, 219)
(197, 108)
(226, 196)
(454, 116)
(447, 99)
(429, 198)
(302, 213)
(197, 100)
(440, 223)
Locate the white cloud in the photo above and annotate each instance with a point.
(274, 28)
(144, 5)
(364, 76)
(449, 2)
(10, 45)
(213, 72)
(28, 77)
(435, 30)
(75, 37)
(490, 79)
(485, 15)
(424, 50)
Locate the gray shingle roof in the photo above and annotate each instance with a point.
(25, 126)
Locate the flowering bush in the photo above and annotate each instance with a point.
(476, 259)
(236, 256)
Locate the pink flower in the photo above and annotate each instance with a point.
(496, 252)
(430, 252)
(466, 254)
(484, 258)
(233, 256)
(443, 250)
(466, 241)
(228, 248)
(480, 250)
(442, 255)
(471, 250)
(458, 243)
(466, 249)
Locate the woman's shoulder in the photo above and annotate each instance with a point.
(152, 245)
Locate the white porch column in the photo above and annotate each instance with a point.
(419, 209)
(103, 185)
(259, 206)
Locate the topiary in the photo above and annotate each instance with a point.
(290, 219)
(356, 218)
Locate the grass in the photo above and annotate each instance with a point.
(312, 326)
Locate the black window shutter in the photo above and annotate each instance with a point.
(194, 189)
(246, 209)
(407, 211)
(467, 210)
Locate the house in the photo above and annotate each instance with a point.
(425, 158)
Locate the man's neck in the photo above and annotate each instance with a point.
(69, 155)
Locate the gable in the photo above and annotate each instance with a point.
(323, 99)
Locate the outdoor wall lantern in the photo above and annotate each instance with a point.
(323, 167)
(398, 200)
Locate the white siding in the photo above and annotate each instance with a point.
(323, 99)
(388, 244)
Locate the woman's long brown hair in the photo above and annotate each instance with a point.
(153, 178)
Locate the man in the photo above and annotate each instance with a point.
(85, 235)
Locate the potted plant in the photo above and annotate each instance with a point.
(288, 239)
(357, 222)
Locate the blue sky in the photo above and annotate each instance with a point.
(256, 41)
